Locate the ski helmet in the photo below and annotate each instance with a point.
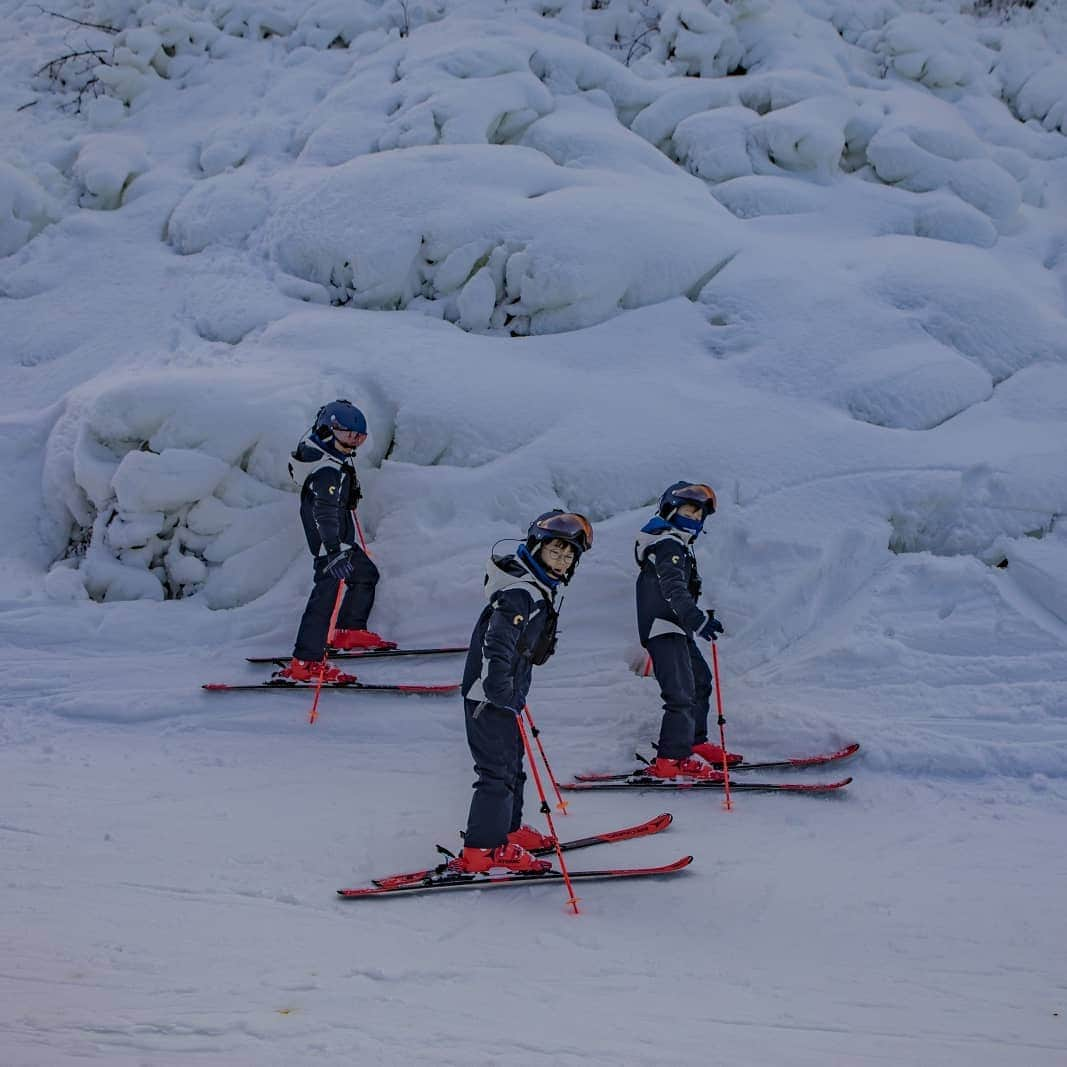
(340, 415)
(557, 525)
(687, 493)
(560, 525)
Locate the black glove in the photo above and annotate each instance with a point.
(711, 628)
(339, 564)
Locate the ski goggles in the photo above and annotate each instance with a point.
(570, 526)
(700, 494)
(349, 438)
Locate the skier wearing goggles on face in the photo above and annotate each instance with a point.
(323, 465)
(515, 632)
(668, 620)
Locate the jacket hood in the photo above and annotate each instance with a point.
(656, 529)
(509, 572)
(311, 455)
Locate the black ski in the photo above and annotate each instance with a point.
(278, 685)
(653, 826)
(796, 763)
(370, 653)
(452, 881)
(675, 784)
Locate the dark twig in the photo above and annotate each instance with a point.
(56, 63)
(78, 22)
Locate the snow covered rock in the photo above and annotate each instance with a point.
(25, 208)
(178, 493)
(222, 210)
(105, 166)
(924, 145)
(568, 246)
(1043, 96)
(921, 48)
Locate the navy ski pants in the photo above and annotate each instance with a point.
(355, 607)
(685, 686)
(496, 745)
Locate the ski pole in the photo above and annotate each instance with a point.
(314, 713)
(727, 802)
(561, 804)
(340, 585)
(332, 629)
(572, 900)
(359, 530)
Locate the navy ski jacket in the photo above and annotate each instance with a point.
(669, 583)
(499, 665)
(328, 494)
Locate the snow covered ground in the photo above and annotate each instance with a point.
(813, 252)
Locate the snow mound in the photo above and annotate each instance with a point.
(917, 336)
(105, 166)
(919, 47)
(221, 210)
(1043, 97)
(560, 247)
(432, 88)
(924, 145)
(25, 208)
(168, 492)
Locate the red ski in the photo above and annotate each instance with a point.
(451, 880)
(280, 685)
(653, 826)
(796, 763)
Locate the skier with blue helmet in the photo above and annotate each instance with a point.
(515, 632)
(668, 619)
(323, 465)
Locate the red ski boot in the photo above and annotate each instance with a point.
(713, 754)
(509, 857)
(310, 670)
(362, 640)
(690, 769)
(530, 839)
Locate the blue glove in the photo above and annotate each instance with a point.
(339, 564)
(711, 628)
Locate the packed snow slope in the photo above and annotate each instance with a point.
(813, 252)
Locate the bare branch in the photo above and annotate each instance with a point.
(78, 22)
(56, 63)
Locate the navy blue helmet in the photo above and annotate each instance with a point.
(340, 415)
(559, 525)
(687, 493)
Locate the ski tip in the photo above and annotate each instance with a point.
(214, 687)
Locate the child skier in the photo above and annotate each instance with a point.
(323, 466)
(516, 631)
(668, 588)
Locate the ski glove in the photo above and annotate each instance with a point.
(339, 564)
(711, 628)
(483, 704)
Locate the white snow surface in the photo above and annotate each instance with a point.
(813, 252)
